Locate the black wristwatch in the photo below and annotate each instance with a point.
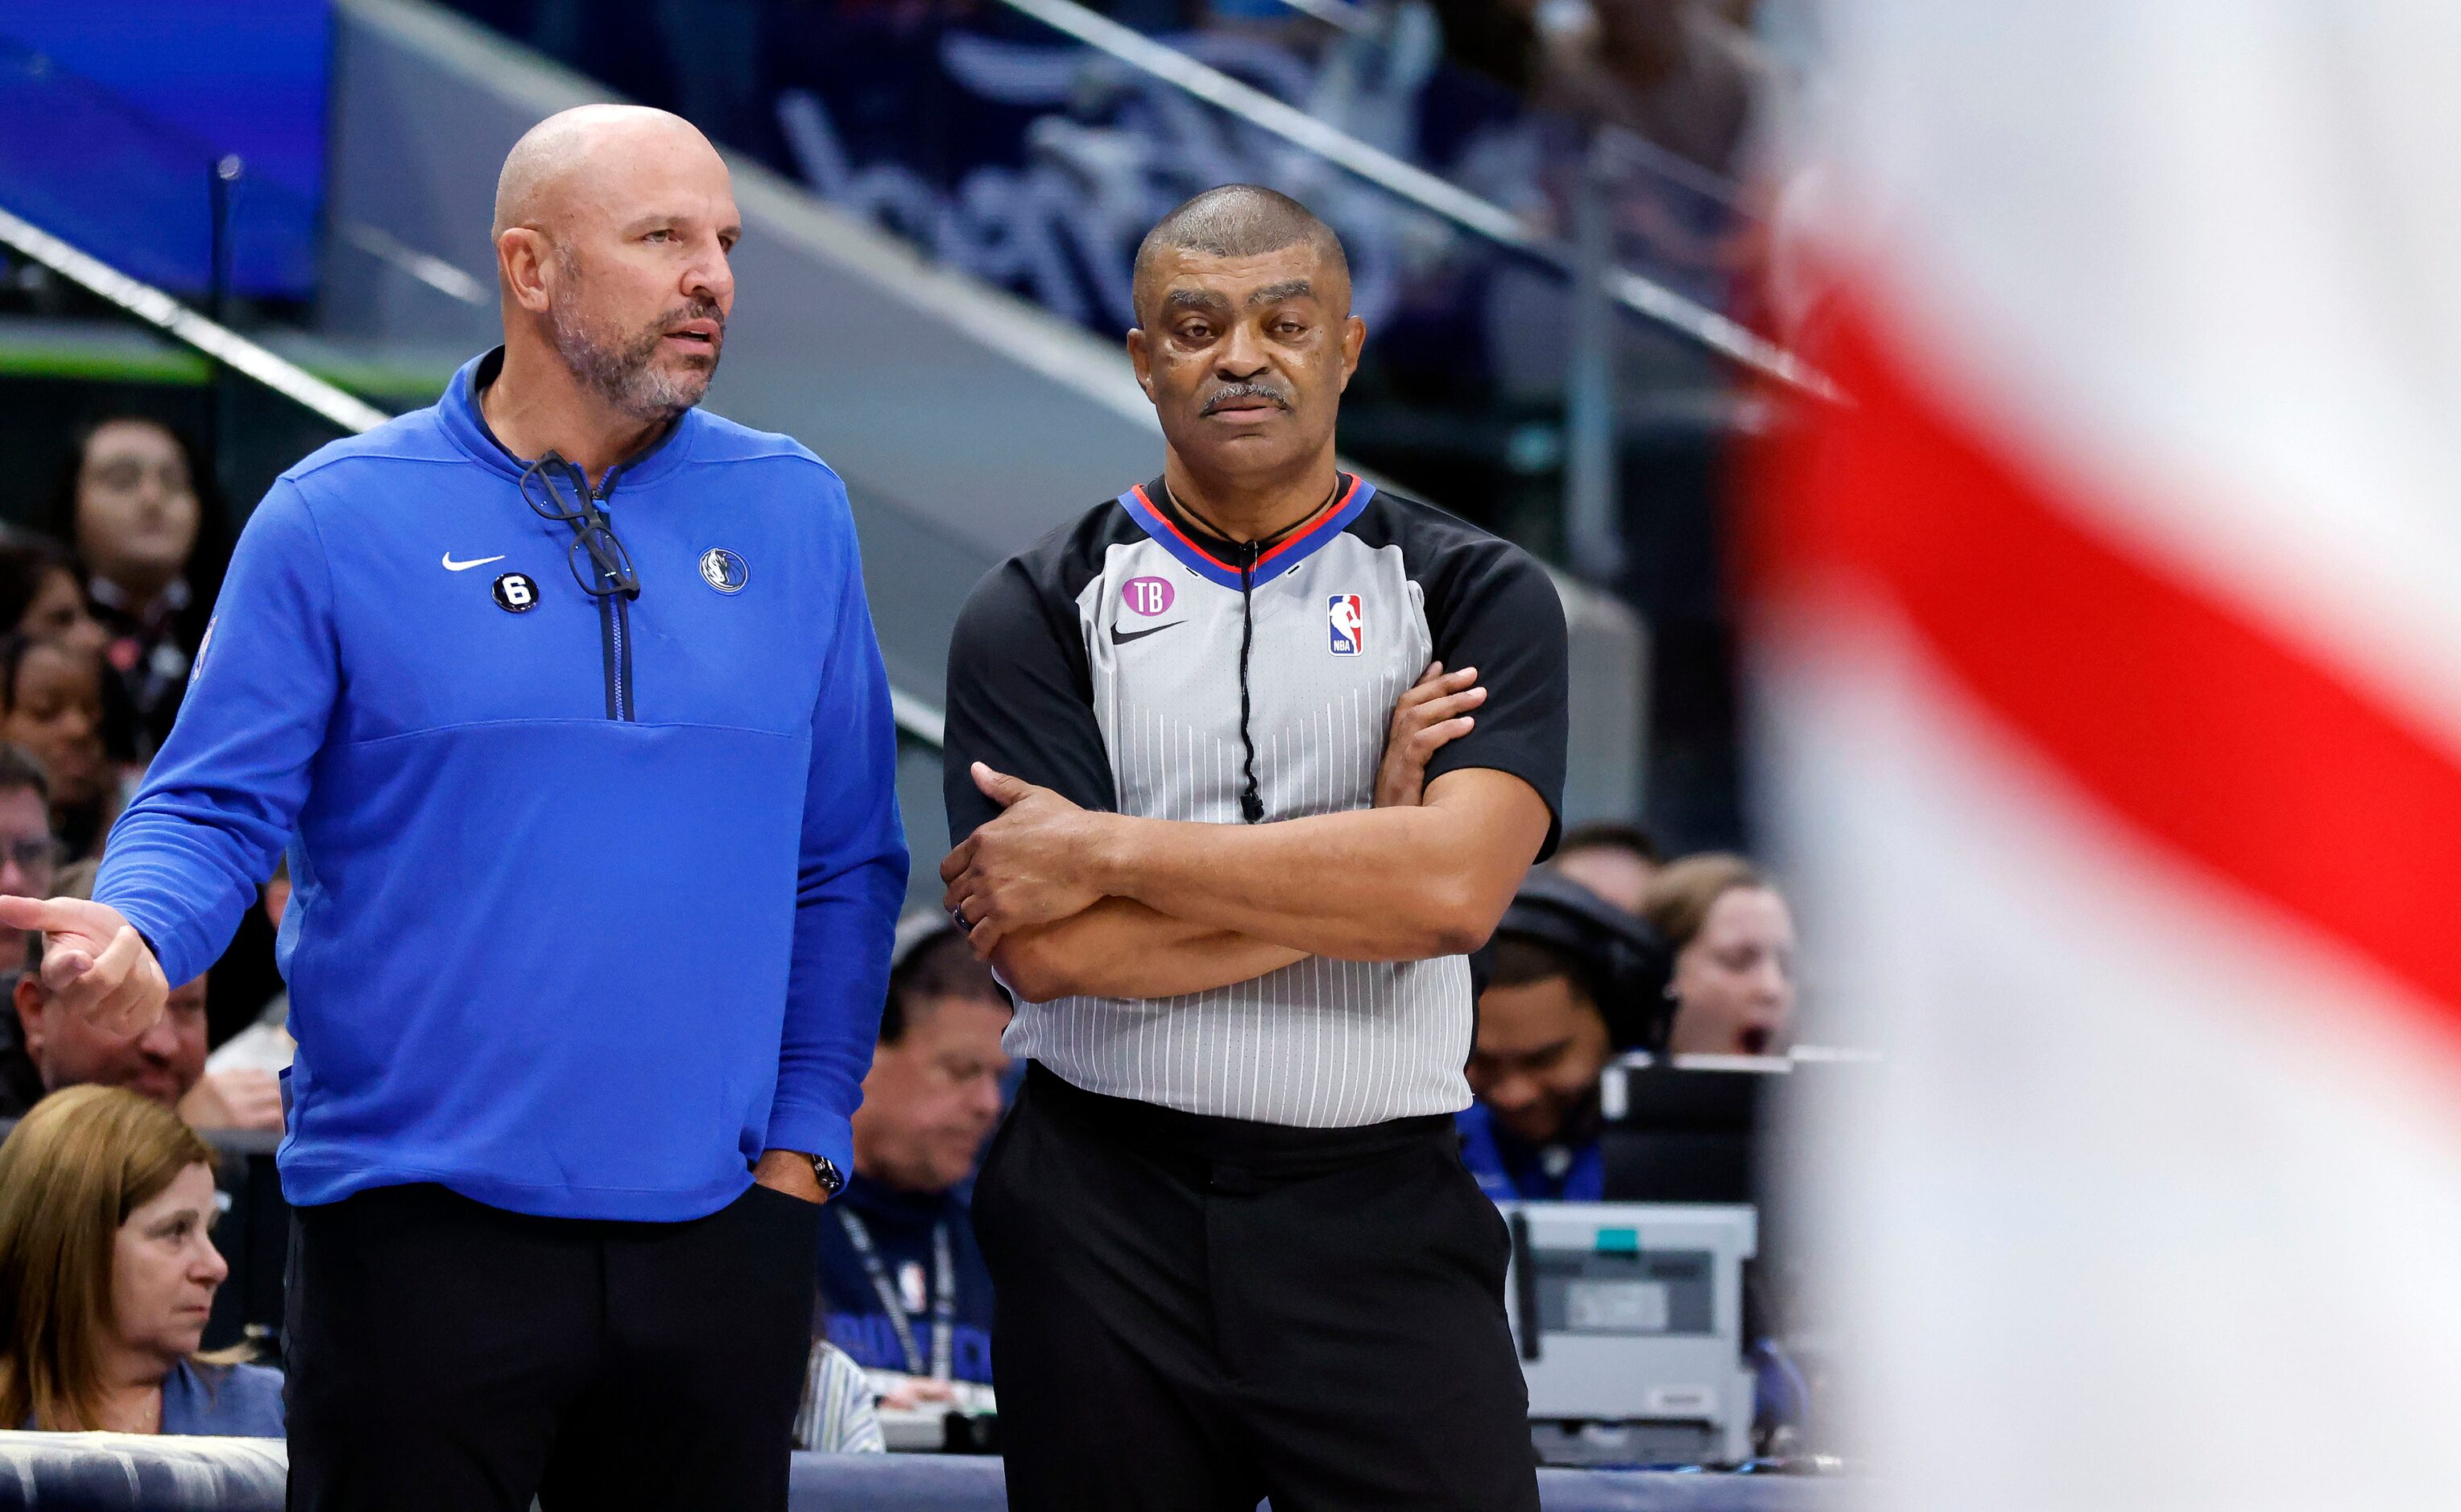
(825, 1172)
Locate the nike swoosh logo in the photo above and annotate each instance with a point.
(451, 565)
(1120, 637)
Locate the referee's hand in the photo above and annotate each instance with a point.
(95, 963)
(1433, 714)
(1024, 868)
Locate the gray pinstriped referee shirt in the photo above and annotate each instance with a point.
(1105, 663)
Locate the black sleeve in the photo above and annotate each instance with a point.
(1491, 605)
(1020, 698)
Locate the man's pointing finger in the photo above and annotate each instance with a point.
(32, 913)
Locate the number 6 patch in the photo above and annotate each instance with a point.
(516, 593)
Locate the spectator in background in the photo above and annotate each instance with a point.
(153, 538)
(1571, 980)
(165, 1063)
(1733, 939)
(50, 707)
(42, 600)
(1677, 72)
(29, 859)
(902, 1284)
(1611, 858)
(107, 1276)
(837, 1416)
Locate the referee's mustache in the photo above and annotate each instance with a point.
(1245, 388)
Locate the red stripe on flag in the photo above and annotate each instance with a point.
(2193, 722)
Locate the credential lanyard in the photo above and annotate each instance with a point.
(944, 1296)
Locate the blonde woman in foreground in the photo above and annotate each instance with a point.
(107, 1274)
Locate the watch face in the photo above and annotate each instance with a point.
(826, 1171)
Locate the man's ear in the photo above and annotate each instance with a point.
(1141, 357)
(30, 1000)
(522, 256)
(1354, 339)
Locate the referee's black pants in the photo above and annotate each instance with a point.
(449, 1357)
(1196, 1313)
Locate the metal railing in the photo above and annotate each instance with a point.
(1637, 293)
(167, 315)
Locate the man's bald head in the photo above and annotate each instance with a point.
(615, 226)
(573, 154)
(1238, 220)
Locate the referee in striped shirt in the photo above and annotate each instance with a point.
(1229, 836)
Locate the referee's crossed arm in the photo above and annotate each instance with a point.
(1229, 836)
(1062, 887)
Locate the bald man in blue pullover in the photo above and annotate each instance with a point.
(564, 700)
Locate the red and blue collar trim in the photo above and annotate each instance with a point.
(1285, 554)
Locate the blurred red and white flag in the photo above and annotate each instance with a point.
(2111, 642)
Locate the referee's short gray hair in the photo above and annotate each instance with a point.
(1236, 219)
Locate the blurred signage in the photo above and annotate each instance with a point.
(115, 113)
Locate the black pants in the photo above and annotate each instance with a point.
(1196, 1313)
(449, 1357)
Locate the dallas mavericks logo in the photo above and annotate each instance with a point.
(1349, 625)
(723, 570)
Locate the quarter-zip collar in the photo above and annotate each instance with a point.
(467, 425)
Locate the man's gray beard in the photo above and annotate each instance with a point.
(621, 371)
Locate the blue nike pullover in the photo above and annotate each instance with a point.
(590, 905)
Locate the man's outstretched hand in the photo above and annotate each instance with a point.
(93, 961)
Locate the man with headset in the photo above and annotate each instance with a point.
(596, 859)
(1571, 980)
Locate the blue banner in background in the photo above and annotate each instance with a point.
(113, 114)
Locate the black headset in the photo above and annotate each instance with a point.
(1622, 962)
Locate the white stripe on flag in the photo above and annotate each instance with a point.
(2157, 1204)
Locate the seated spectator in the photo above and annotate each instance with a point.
(1733, 940)
(837, 1416)
(107, 1274)
(28, 858)
(165, 1063)
(154, 539)
(903, 1286)
(1570, 981)
(1611, 858)
(42, 600)
(50, 707)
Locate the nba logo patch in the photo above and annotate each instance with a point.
(1349, 625)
